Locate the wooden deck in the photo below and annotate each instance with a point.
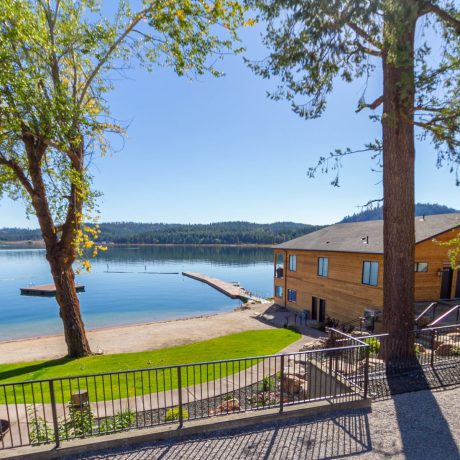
(46, 290)
(229, 289)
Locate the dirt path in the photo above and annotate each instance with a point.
(142, 337)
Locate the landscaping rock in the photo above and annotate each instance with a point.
(445, 349)
(359, 333)
(265, 398)
(317, 344)
(232, 405)
(292, 385)
(295, 371)
(303, 393)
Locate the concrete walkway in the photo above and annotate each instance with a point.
(413, 426)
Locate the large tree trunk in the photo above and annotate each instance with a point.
(60, 253)
(69, 307)
(398, 184)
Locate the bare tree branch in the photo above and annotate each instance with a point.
(372, 105)
(448, 19)
(19, 174)
(363, 34)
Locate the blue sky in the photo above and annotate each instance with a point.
(218, 149)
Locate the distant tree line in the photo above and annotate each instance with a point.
(215, 233)
(421, 209)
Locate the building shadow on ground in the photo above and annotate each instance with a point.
(328, 437)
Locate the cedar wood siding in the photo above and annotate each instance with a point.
(346, 297)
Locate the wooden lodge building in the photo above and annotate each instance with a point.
(338, 271)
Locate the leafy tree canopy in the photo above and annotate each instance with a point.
(315, 42)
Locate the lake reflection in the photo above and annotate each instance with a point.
(125, 286)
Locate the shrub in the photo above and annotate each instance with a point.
(455, 351)
(374, 345)
(120, 421)
(80, 422)
(267, 384)
(40, 432)
(293, 328)
(173, 414)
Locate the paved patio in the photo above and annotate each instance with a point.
(413, 426)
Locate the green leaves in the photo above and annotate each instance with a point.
(314, 43)
(57, 61)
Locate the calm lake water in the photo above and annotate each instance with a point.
(122, 288)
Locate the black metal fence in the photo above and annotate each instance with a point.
(435, 362)
(50, 411)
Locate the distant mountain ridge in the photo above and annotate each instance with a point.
(421, 209)
(238, 232)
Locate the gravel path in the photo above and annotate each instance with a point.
(414, 426)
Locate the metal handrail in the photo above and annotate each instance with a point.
(437, 320)
(427, 309)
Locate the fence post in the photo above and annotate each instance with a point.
(433, 334)
(54, 413)
(282, 384)
(179, 387)
(366, 372)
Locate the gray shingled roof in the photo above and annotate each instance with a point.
(352, 237)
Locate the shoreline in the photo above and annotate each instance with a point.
(141, 337)
(118, 326)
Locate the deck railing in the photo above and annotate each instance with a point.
(51, 411)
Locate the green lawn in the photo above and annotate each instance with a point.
(131, 383)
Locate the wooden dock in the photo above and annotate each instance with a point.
(46, 290)
(229, 289)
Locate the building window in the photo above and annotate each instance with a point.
(292, 263)
(421, 266)
(323, 263)
(292, 295)
(370, 273)
(279, 265)
(279, 292)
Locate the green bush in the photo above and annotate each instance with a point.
(120, 421)
(267, 384)
(455, 351)
(79, 423)
(374, 345)
(40, 432)
(293, 328)
(173, 414)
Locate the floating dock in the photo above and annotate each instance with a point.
(46, 290)
(229, 289)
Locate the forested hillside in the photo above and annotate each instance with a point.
(421, 209)
(217, 233)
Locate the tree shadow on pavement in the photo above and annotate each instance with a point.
(327, 437)
(425, 432)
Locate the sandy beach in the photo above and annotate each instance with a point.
(142, 337)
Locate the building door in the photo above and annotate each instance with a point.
(446, 282)
(314, 308)
(322, 310)
(457, 288)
